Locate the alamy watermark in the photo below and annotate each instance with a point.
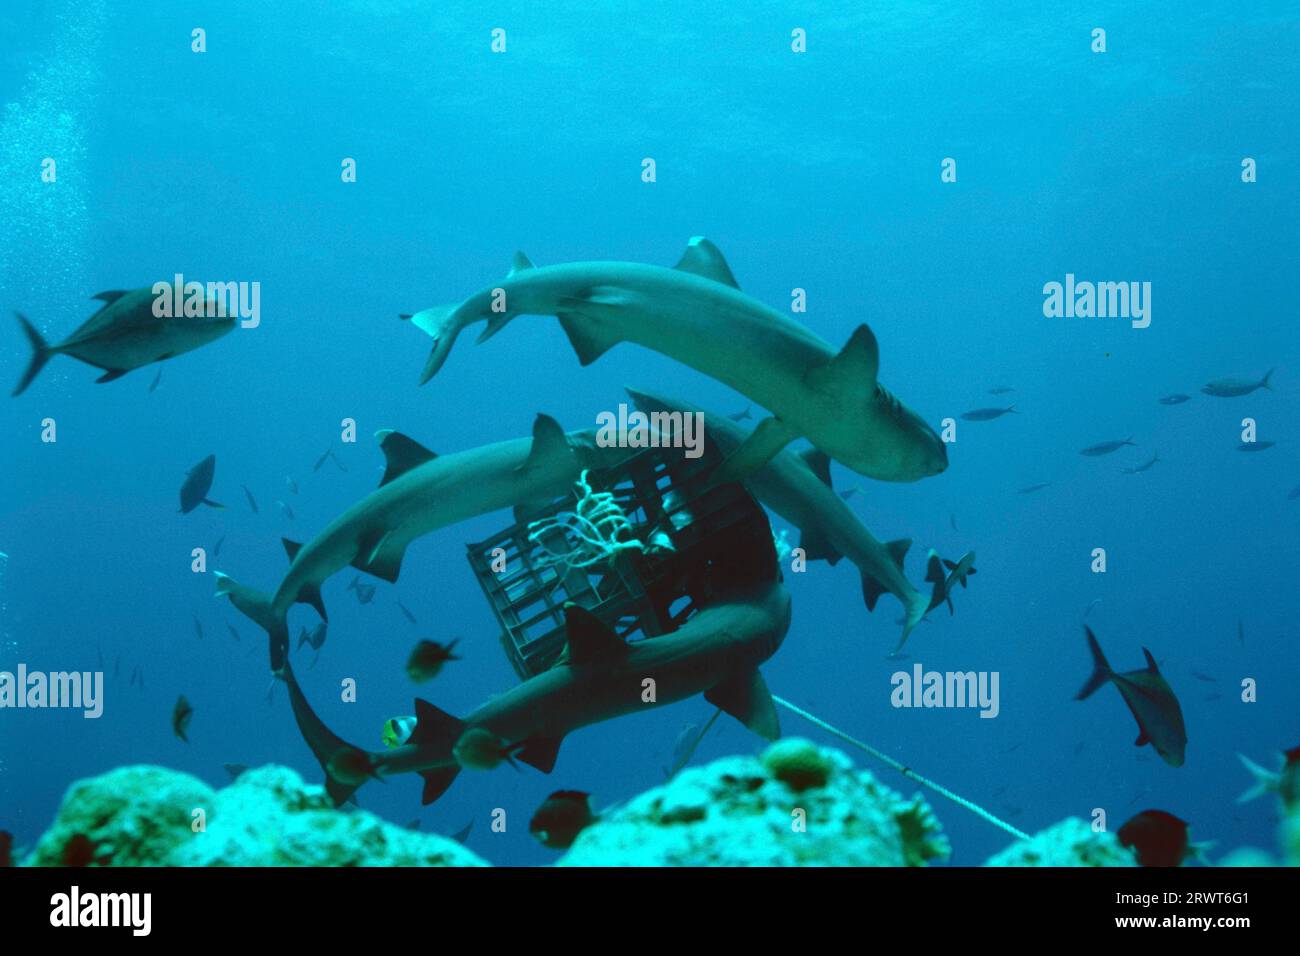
(1101, 300)
(213, 300)
(637, 429)
(77, 690)
(922, 688)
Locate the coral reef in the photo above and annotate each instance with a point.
(144, 816)
(796, 805)
(1072, 842)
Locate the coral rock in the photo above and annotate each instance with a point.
(1072, 842)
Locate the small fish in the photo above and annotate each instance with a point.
(427, 660)
(1175, 399)
(1158, 839)
(181, 716)
(365, 592)
(288, 512)
(409, 616)
(1143, 467)
(397, 730)
(480, 749)
(234, 770)
(6, 848)
(1256, 445)
(1236, 387)
(1030, 489)
(252, 502)
(216, 548)
(233, 633)
(293, 485)
(1001, 390)
(1106, 447)
(197, 484)
(156, 379)
(461, 835)
(1149, 698)
(987, 414)
(315, 638)
(1205, 677)
(321, 460)
(198, 626)
(1091, 605)
(560, 818)
(742, 416)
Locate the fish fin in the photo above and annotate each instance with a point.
(746, 697)
(108, 298)
(759, 448)
(541, 752)
(256, 606)
(1151, 662)
(1263, 781)
(41, 353)
(1263, 382)
(442, 323)
(898, 550)
(111, 374)
(434, 728)
(934, 568)
(817, 547)
(871, 591)
(324, 743)
(950, 565)
(588, 638)
(495, 323)
(382, 562)
(291, 548)
(310, 594)
(586, 338)
(1142, 738)
(855, 367)
(1101, 671)
(704, 259)
(401, 454)
(436, 783)
(213, 504)
(820, 464)
(548, 440)
(520, 263)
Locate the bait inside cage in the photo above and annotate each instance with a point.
(674, 544)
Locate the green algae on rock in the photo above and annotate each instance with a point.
(768, 811)
(144, 816)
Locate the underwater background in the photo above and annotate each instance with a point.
(819, 171)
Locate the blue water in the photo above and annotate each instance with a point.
(819, 171)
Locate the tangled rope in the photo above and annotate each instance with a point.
(598, 524)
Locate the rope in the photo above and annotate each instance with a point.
(907, 772)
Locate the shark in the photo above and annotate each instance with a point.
(420, 492)
(125, 335)
(717, 653)
(797, 486)
(696, 314)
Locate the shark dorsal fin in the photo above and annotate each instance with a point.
(820, 463)
(1151, 662)
(746, 697)
(291, 548)
(898, 550)
(434, 726)
(401, 454)
(704, 259)
(111, 296)
(589, 638)
(520, 263)
(548, 440)
(856, 366)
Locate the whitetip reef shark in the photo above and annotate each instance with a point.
(419, 493)
(600, 676)
(797, 486)
(696, 314)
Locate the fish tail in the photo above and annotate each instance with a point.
(442, 323)
(331, 752)
(1101, 669)
(1264, 781)
(41, 353)
(257, 607)
(1263, 382)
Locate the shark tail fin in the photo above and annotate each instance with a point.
(41, 353)
(1101, 671)
(442, 323)
(1263, 382)
(256, 606)
(346, 767)
(1264, 781)
(914, 611)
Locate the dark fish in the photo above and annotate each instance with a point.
(321, 460)
(1175, 399)
(1149, 698)
(234, 770)
(315, 638)
(688, 741)
(293, 485)
(1106, 447)
(156, 379)
(181, 715)
(409, 616)
(1256, 445)
(6, 848)
(848, 493)
(1143, 467)
(288, 512)
(78, 851)
(1205, 677)
(1157, 838)
(233, 633)
(123, 335)
(198, 627)
(216, 549)
(1236, 387)
(427, 660)
(987, 414)
(1001, 390)
(252, 502)
(742, 416)
(198, 482)
(1030, 489)
(461, 835)
(365, 592)
(560, 818)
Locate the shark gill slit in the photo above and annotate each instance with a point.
(906, 771)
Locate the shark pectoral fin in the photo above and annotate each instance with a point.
(589, 639)
(549, 441)
(380, 555)
(746, 697)
(291, 548)
(436, 783)
(871, 591)
(759, 448)
(541, 752)
(111, 374)
(703, 258)
(898, 550)
(854, 369)
(214, 504)
(310, 594)
(817, 547)
(819, 463)
(588, 342)
(401, 454)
